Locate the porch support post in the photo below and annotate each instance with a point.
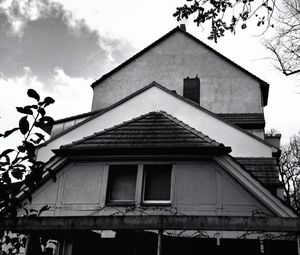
(28, 241)
(33, 246)
(298, 243)
(159, 241)
(67, 246)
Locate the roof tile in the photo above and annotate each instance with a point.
(264, 170)
(155, 129)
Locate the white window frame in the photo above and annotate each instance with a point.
(157, 202)
(139, 186)
(109, 202)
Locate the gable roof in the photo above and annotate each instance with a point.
(263, 85)
(256, 186)
(154, 130)
(153, 84)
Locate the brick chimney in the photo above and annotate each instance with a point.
(182, 27)
(191, 89)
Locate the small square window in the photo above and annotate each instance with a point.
(121, 184)
(157, 184)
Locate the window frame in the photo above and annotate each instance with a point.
(139, 185)
(157, 202)
(108, 201)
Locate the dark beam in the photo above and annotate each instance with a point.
(233, 223)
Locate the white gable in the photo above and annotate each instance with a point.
(224, 87)
(156, 99)
(81, 189)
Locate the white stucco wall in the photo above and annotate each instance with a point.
(198, 188)
(224, 88)
(155, 99)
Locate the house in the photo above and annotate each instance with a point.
(177, 131)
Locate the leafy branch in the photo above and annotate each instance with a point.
(226, 15)
(19, 167)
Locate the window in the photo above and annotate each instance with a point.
(121, 184)
(157, 184)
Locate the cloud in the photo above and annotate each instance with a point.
(19, 12)
(136, 21)
(67, 92)
(44, 36)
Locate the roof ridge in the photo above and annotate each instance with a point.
(107, 130)
(191, 129)
(160, 113)
(176, 29)
(264, 85)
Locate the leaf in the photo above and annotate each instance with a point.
(40, 137)
(14, 240)
(6, 152)
(8, 132)
(30, 148)
(24, 125)
(48, 100)
(32, 93)
(44, 208)
(7, 239)
(5, 178)
(21, 148)
(25, 110)
(42, 111)
(7, 162)
(26, 210)
(18, 174)
(47, 121)
(34, 106)
(16, 160)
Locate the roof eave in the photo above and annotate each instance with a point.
(153, 150)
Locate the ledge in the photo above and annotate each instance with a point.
(225, 223)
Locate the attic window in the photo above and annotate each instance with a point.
(157, 184)
(121, 184)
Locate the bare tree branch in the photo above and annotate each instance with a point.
(227, 15)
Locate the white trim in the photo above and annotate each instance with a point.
(156, 99)
(55, 163)
(157, 202)
(260, 192)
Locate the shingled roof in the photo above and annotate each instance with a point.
(264, 170)
(155, 130)
(245, 120)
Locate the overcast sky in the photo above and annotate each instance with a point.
(59, 47)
